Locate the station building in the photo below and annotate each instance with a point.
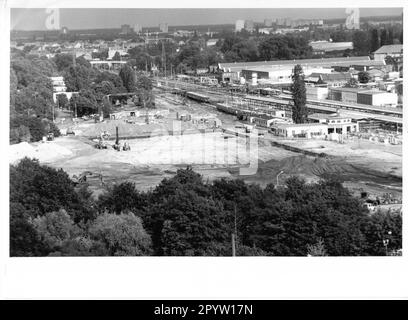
(300, 130)
(336, 123)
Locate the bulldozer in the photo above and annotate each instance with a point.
(81, 178)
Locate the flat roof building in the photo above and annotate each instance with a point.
(322, 47)
(393, 50)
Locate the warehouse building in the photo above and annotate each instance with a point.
(280, 71)
(323, 47)
(363, 96)
(393, 50)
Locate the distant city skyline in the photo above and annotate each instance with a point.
(98, 18)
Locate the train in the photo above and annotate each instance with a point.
(197, 96)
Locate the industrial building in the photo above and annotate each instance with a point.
(300, 130)
(363, 96)
(317, 93)
(322, 47)
(280, 71)
(392, 50)
(332, 79)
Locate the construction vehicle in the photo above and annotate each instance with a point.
(117, 146)
(101, 144)
(81, 178)
(70, 132)
(126, 146)
(50, 136)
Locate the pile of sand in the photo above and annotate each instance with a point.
(44, 152)
(20, 150)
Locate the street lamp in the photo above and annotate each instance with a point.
(277, 178)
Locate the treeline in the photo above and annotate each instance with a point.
(30, 98)
(31, 92)
(187, 216)
(245, 46)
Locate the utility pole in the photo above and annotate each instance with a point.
(234, 234)
(164, 58)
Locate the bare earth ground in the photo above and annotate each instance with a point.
(364, 165)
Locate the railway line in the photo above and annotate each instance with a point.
(283, 101)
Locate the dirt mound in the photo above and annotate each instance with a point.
(44, 152)
(305, 166)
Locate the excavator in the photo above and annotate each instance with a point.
(101, 144)
(117, 146)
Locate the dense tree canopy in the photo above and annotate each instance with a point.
(185, 216)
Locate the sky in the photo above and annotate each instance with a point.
(96, 18)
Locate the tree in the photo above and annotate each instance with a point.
(41, 189)
(363, 77)
(77, 78)
(128, 78)
(24, 239)
(63, 61)
(62, 101)
(116, 56)
(375, 40)
(122, 197)
(360, 43)
(55, 228)
(317, 250)
(122, 235)
(299, 111)
(352, 83)
(84, 103)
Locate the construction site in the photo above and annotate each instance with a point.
(147, 145)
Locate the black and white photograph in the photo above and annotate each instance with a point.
(187, 131)
(174, 132)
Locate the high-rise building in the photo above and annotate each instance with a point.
(280, 21)
(137, 28)
(164, 27)
(239, 25)
(249, 25)
(268, 22)
(125, 29)
(64, 30)
(353, 18)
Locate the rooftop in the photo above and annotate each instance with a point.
(327, 116)
(298, 125)
(290, 62)
(359, 90)
(334, 76)
(391, 48)
(330, 46)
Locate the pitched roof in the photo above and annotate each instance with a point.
(272, 63)
(333, 76)
(391, 48)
